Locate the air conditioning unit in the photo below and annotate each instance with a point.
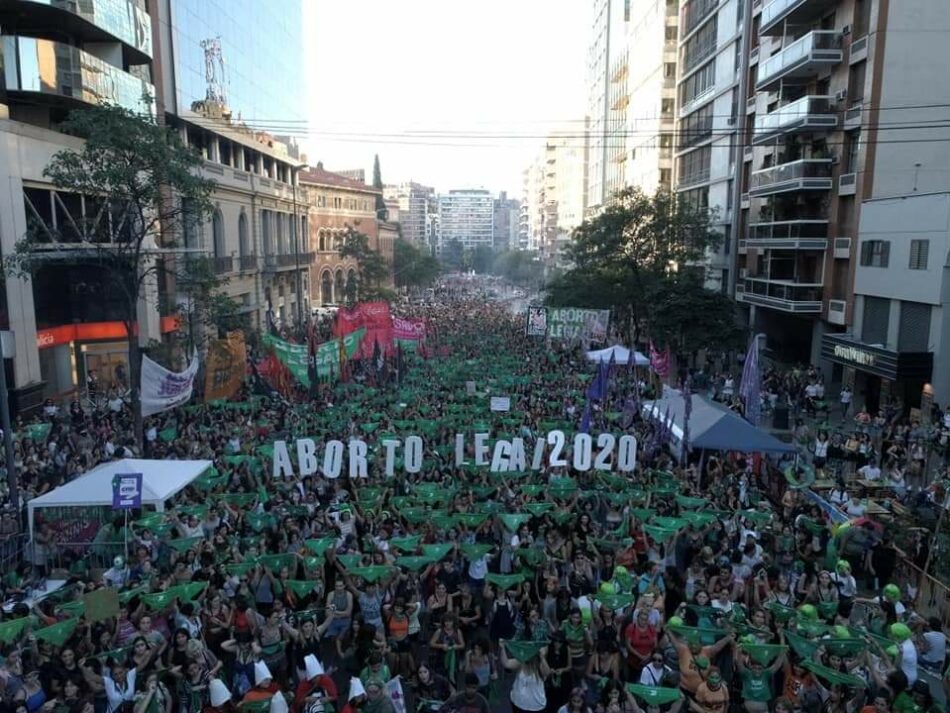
(840, 96)
(846, 30)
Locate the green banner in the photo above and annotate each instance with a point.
(295, 356)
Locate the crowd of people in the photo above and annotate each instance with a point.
(677, 587)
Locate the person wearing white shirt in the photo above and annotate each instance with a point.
(871, 471)
(119, 686)
(854, 507)
(909, 660)
(655, 671)
(934, 650)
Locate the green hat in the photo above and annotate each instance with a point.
(900, 632)
(701, 662)
(714, 678)
(892, 651)
(608, 588)
(841, 632)
(892, 593)
(808, 611)
(843, 564)
(675, 621)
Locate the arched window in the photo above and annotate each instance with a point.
(267, 237)
(217, 230)
(326, 288)
(322, 240)
(244, 238)
(338, 286)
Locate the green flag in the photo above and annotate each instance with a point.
(802, 646)
(10, 630)
(437, 551)
(372, 573)
(476, 551)
(524, 651)
(158, 601)
(414, 564)
(513, 521)
(505, 581)
(471, 520)
(57, 634)
(183, 544)
(275, 563)
(659, 534)
(406, 544)
(654, 695)
(538, 509)
(615, 602)
(319, 547)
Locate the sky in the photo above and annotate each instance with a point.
(450, 94)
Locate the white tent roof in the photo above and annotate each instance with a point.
(620, 354)
(161, 480)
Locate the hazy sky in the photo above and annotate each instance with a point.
(451, 94)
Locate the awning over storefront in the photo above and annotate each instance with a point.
(886, 363)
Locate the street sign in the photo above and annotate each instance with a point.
(127, 491)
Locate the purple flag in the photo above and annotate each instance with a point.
(751, 383)
(585, 419)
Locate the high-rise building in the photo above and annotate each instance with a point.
(506, 217)
(553, 196)
(652, 90)
(710, 89)
(466, 216)
(607, 99)
(844, 198)
(413, 200)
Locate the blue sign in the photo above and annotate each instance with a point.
(127, 491)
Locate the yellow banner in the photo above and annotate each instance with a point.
(227, 363)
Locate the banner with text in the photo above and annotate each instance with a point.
(163, 389)
(295, 356)
(572, 323)
(409, 333)
(227, 365)
(537, 322)
(375, 318)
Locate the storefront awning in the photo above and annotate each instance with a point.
(886, 363)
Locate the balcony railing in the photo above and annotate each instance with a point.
(693, 178)
(789, 235)
(248, 263)
(804, 57)
(695, 12)
(222, 265)
(809, 112)
(56, 69)
(783, 295)
(797, 12)
(807, 174)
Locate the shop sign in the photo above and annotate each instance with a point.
(854, 355)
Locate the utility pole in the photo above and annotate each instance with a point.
(7, 347)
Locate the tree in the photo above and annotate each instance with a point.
(631, 253)
(519, 267)
(381, 212)
(150, 191)
(453, 254)
(371, 267)
(413, 267)
(482, 259)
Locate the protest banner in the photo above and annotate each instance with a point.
(127, 491)
(408, 332)
(603, 452)
(163, 389)
(577, 324)
(375, 318)
(500, 403)
(227, 363)
(537, 322)
(101, 604)
(296, 356)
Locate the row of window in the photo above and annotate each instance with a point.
(877, 253)
(913, 332)
(339, 203)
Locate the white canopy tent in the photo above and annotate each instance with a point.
(620, 355)
(161, 481)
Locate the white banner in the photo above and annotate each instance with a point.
(394, 691)
(163, 389)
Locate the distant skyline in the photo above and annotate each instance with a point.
(449, 94)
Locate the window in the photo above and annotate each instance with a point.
(671, 33)
(697, 127)
(877, 312)
(244, 239)
(913, 335)
(856, 78)
(875, 253)
(669, 69)
(217, 231)
(919, 250)
(666, 107)
(698, 83)
(665, 177)
(694, 166)
(700, 46)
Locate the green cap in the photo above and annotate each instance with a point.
(675, 621)
(892, 593)
(701, 662)
(808, 611)
(900, 632)
(714, 678)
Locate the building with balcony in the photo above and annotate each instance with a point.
(607, 100)
(58, 57)
(413, 201)
(836, 173)
(710, 96)
(337, 203)
(507, 214)
(466, 216)
(653, 32)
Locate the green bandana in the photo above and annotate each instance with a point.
(505, 581)
(524, 651)
(57, 634)
(654, 695)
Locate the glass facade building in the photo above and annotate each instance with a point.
(261, 51)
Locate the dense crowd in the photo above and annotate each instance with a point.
(671, 588)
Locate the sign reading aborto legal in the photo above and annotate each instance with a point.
(603, 452)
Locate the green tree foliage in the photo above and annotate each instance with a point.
(519, 267)
(413, 267)
(381, 211)
(371, 267)
(151, 185)
(453, 255)
(638, 259)
(483, 257)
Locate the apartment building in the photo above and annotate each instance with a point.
(844, 181)
(413, 202)
(466, 216)
(709, 124)
(652, 36)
